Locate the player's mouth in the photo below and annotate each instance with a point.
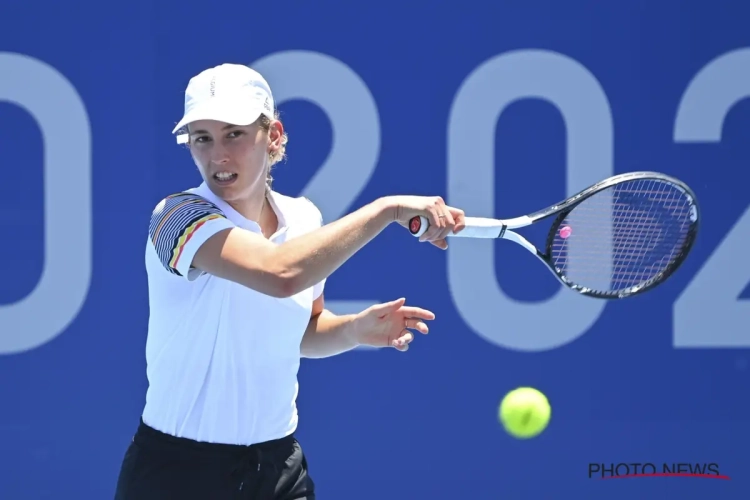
(224, 178)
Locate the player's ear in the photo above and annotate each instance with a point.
(275, 134)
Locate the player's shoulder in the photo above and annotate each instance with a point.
(298, 206)
(181, 201)
(180, 210)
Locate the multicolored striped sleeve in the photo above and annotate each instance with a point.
(180, 224)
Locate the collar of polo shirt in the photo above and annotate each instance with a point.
(273, 199)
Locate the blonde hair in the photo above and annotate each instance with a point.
(275, 156)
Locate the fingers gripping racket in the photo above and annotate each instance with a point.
(615, 239)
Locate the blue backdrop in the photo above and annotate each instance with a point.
(502, 108)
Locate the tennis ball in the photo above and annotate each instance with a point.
(524, 412)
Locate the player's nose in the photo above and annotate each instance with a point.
(219, 155)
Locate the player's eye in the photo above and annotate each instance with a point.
(235, 133)
(202, 138)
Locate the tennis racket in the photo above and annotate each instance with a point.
(615, 239)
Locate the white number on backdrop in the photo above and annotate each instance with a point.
(345, 98)
(480, 101)
(61, 116)
(716, 288)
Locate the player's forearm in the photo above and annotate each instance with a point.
(327, 335)
(308, 259)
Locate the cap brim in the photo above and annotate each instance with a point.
(228, 112)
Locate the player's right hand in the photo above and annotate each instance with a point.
(443, 219)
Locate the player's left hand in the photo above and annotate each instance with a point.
(390, 324)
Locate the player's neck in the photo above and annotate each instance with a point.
(258, 209)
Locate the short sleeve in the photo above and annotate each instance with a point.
(316, 219)
(180, 224)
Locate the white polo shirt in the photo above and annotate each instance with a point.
(222, 358)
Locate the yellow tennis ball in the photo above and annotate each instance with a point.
(524, 412)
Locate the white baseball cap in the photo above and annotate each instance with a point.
(231, 93)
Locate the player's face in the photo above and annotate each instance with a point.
(233, 160)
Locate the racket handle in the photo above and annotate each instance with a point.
(476, 227)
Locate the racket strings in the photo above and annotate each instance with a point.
(622, 236)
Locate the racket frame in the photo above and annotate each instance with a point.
(488, 228)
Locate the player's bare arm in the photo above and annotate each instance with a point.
(286, 269)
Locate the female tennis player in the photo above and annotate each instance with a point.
(236, 273)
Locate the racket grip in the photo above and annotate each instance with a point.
(475, 227)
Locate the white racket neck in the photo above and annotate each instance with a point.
(510, 235)
(483, 227)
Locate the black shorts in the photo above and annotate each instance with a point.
(164, 467)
